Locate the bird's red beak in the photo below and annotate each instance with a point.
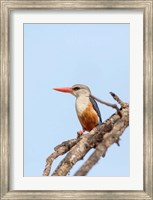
(65, 89)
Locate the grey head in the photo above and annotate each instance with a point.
(80, 89)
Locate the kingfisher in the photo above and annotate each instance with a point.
(86, 107)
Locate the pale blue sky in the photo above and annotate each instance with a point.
(60, 55)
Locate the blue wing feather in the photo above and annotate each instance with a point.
(96, 108)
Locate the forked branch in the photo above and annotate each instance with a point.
(100, 138)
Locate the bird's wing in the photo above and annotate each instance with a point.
(96, 108)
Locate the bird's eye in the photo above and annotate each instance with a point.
(76, 88)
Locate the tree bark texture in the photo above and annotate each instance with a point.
(100, 138)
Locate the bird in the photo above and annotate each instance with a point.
(86, 107)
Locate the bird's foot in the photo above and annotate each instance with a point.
(79, 133)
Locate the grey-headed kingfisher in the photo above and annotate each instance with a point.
(86, 107)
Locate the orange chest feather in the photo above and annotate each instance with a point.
(89, 118)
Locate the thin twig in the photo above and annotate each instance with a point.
(108, 104)
(123, 104)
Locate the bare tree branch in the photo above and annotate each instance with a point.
(108, 104)
(100, 138)
(108, 139)
(59, 150)
(123, 104)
